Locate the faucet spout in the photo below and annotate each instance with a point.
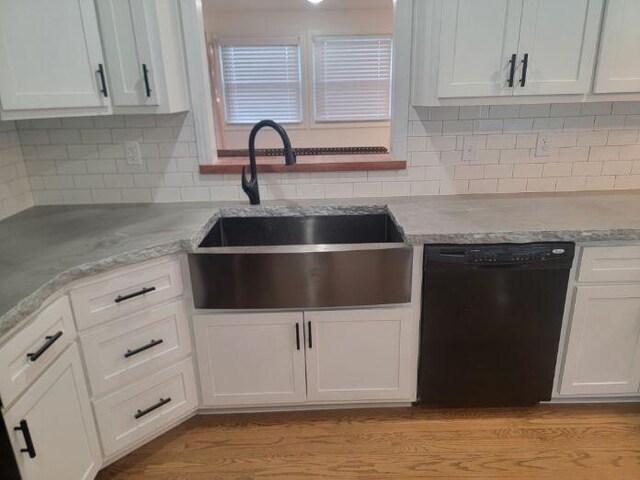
(250, 186)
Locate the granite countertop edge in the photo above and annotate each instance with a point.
(16, 317)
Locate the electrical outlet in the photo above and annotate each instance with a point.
(543, 149)
(132, 152)
(470, 149)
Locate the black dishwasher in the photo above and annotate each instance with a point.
(491, 320)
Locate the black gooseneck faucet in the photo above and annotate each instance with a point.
(250, 186)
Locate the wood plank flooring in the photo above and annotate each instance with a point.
(545, 442)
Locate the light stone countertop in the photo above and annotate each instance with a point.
(43, 249)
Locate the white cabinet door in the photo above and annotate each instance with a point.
(50, 54)
(127, 44)
(145, 55)
(478, 39)
(360, 355)
(251, 359)
(603, 352)
(56, 413)
(619, 63)
(559, 40)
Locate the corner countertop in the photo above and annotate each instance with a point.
(45, 248)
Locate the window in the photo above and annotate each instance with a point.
(261, 82)
(352, 78)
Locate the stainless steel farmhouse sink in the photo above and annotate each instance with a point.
(301, 261)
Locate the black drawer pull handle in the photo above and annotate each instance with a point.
(145, 73)
(50, 340)
(525, 67)
(161, 402)
(103, 81)
(512, 72)
(297, 335)
(151, 344)
(122, 298)
(310, 337)
(24, 428)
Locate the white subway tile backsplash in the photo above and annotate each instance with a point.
(609, 122)
(591, 139)
(620, 167)
(596, 108)
(593, 146)
(588, 169)
(533, 111)
(487, 185)
(600, 183)
(565, 109)
(570, 184)
(443, 113)
(512, 185)
(504, 111)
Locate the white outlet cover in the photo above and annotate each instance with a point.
(470, 149)
(132, 153)
(543, 148)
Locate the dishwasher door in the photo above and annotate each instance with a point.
(491, 323)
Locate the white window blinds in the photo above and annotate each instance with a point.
(261, 82)
(352, 78)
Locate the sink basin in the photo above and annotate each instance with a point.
(301, 262)
(302, 230)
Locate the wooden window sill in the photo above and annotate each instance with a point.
(308, 163)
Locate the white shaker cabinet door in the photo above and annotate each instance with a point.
(360, 354)
(55, 415)
(558, 41)
(619, 63)
(127, 43)
(477, 42)
(50, 56)
(250, 358)
(603, 352)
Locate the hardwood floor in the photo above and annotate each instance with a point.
(546, 442)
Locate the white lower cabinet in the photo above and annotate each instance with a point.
(56, 415)
(603, 352)
(314, 357)
(131, 414)
(359, 355)
(251, 359)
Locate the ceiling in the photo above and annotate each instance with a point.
(248, 5)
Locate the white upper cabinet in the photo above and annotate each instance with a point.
(50, 59)
(619, 63)
(558, 41)
(479, 49)
(477, 43)
(142, 41)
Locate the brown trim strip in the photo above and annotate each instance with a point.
(312, 163)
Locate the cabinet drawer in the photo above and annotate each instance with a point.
(610, 264)
(126, 292)
(135, 346)
(46, 336)
(130, 414)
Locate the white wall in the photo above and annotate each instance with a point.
(15, 194)
(303, 23)
(597, 148)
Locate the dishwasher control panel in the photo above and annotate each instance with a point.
(502, 254)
